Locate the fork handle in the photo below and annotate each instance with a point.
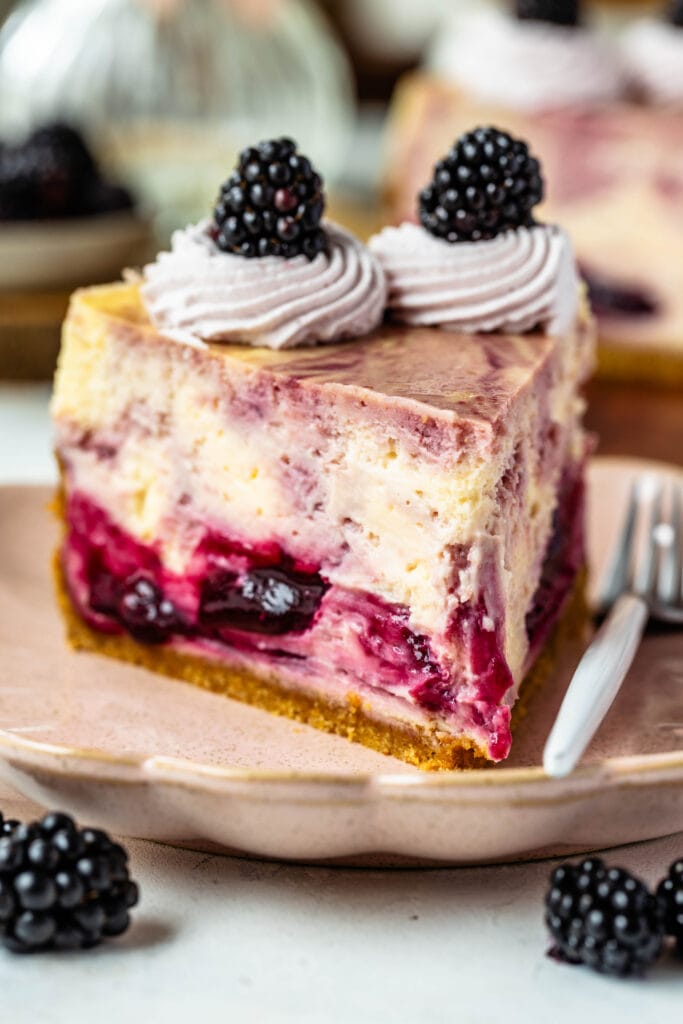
(595, 684)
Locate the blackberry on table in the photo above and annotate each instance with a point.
(7, 825)
(603, 917)
(486, 184)
(670, 902)
(61, 887)
(676, 13)
(559, 12)
(272, 204)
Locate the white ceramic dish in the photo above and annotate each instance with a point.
(63, 253)
(154, 758)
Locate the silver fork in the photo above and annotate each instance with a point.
(638, 587)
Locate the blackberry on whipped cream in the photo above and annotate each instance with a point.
(487, 183)
(479, 262)
(557, 12)
(266, 270)
(272, 204)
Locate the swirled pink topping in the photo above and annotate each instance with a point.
(520, 280)
(654, 59)
(527, 65)
(200, 291)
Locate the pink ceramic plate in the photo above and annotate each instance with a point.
(155, 758)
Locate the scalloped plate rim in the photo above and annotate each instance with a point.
(162, 767)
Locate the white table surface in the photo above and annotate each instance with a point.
(227, 940)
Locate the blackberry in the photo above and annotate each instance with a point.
(265, 600)
(61, 887)
(68, 148)
(53, 174)
(603, 917)
(144, 611)
(272, 204)
(7, 825)
(676, 13)
(486, 184)
(670, 902)
(559, 12)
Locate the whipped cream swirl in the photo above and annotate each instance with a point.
(525, 64)
(197, 290)
(520, 280)
(653, 52)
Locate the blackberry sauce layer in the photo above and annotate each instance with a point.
(260, 604)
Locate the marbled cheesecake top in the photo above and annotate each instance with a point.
(465, 377)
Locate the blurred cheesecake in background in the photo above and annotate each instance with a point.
(605, 112)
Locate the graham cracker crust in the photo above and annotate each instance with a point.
(430, 750)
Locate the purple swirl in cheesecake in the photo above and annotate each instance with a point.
(522, 279)
(200, 291)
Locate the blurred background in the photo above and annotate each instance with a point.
(168, 90)
(165, 92)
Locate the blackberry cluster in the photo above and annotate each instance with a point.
(676, 13)
(53, 174)
(603, 917)
(61, 887)
(559, 12)
(272, 204)
(486, 184)
(670, 902)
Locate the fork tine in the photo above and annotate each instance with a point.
(668, 584)
(647, 567)
(618, 577)
(677, 547)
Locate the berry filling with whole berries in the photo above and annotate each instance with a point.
(259, 602)
(272, 204)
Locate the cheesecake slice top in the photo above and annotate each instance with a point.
(453, 377)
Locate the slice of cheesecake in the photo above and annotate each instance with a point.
(375, 538)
